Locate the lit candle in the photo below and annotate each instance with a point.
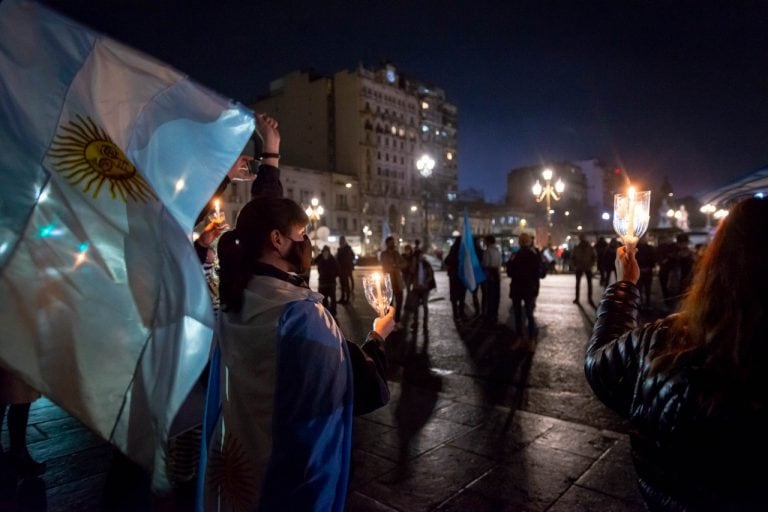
(216, 206)
(631, 216)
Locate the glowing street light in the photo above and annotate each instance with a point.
(314, 211)
(425, 164)
(708, 209)
(548, 192)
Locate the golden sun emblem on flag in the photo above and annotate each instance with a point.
(85, 155)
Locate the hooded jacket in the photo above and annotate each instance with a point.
(283, 441)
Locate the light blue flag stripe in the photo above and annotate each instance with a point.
(470, 272)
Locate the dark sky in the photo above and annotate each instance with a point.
(670, 88)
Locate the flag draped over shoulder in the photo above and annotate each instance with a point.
(470, 271)
(106, 158)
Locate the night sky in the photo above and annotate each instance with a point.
(660, 88)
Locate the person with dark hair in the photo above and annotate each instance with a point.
(346, 258)
(290, 381)
(694, 383)
(327, 272)
(525, 269)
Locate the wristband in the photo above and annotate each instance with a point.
(269, 155)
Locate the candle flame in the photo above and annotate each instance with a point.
(631, 193)
(216, 206)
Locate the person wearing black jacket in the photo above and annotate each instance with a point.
(346, 258)
(694, 384)
(327, 272)
(525, 270)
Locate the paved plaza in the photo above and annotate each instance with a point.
(478, 421)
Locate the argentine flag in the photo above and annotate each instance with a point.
(106, 158)
(470, 271)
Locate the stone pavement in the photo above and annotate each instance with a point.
(477, 422)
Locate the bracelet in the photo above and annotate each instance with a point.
(269, 155)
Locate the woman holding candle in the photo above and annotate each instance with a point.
(291, 382)
(694, 384)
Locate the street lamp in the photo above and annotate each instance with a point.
(708, 209)
(367, 232)
(425, 164)
(314, 211)
(548, 192)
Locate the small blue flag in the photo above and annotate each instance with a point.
(470, 271)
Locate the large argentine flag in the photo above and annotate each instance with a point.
(470, 271)
(106, 158)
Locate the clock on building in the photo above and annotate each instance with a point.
(391, 76)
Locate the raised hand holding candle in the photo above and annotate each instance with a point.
(631, 214)
(218, 216)
(378, 291)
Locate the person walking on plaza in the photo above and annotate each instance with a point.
(525, 269)
(392, 263)
(346, 259)
(423, 284)
(583, 259)
(694, 384)
(327, 272)
(491, 263)
(290, 381)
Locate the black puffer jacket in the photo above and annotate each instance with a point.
(698, 443)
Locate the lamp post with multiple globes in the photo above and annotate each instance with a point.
(314, 211)
(548, 192)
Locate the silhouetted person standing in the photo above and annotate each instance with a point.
(327, 272)
(492, 285)
(423, 283)
(583, 259)
(525, 269)
(392, 263)
(456, 287)
(346, 258)
(646, 259)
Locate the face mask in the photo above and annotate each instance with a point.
(300, 255)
